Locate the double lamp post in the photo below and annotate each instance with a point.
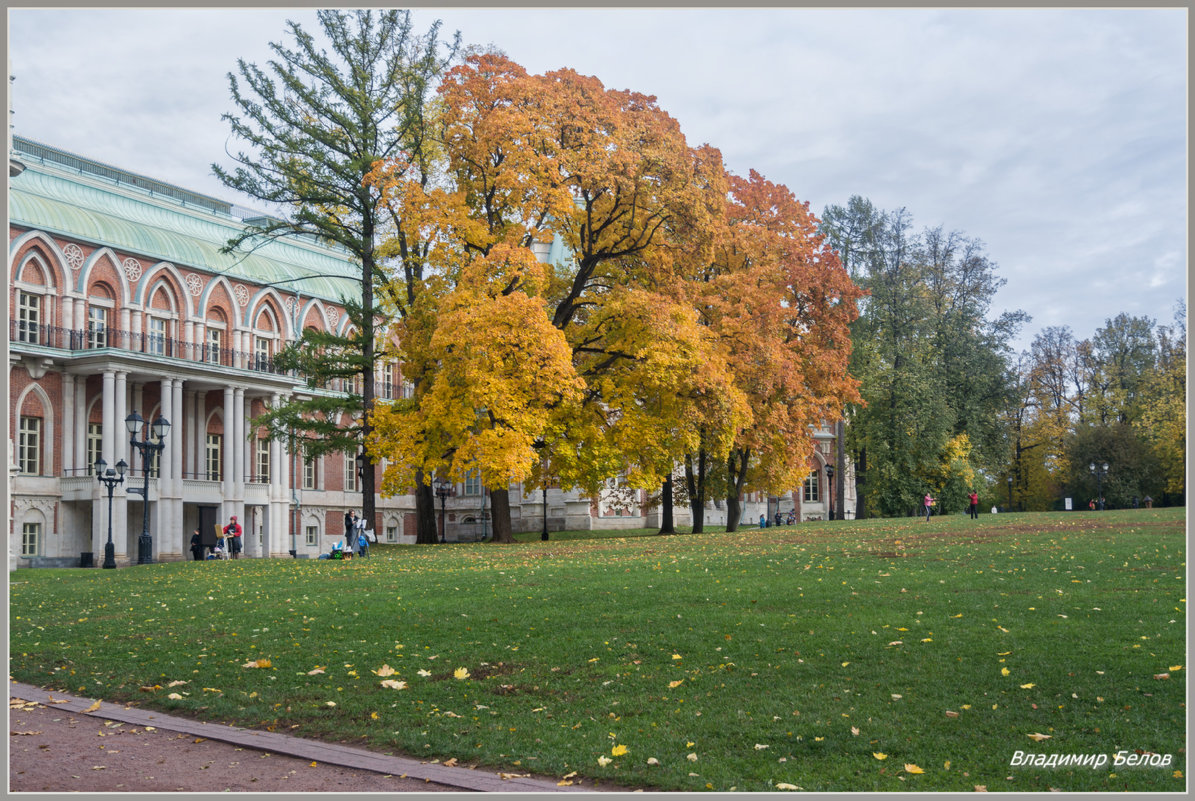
(153, 441)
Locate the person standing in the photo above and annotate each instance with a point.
(973, 498)
(350, 530)
(197, 546)
(232, 537)
(929, 505)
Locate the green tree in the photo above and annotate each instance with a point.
(932, 365)
(316, 122)
(1133, 469)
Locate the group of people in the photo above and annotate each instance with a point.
(355, 542)
(227, 545)
(972, 505)
(781, 519)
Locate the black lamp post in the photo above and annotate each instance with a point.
(544, 535)
(443, 489)
(147, 446)
(1010, 493)
(110, 478)
(1099, 471)
(830, 485)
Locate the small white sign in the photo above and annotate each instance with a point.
(1068, 505)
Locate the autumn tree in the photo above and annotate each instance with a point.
(536, 158)
(779, 305)
(315, 123)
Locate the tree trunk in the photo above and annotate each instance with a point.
(860, 486)
(696, 486)
(426, 532)
(500, 514)
(735, 478)
(667, 526)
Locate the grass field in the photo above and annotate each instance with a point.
(847, 656)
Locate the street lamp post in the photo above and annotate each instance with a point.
(1010, 493)
(1099, 471)
(147, 446)
(110, 478)
(443, 489)
(830, 484)
(544, 535)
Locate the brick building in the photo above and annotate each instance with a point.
(121, 301)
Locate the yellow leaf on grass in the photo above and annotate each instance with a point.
(460, 673)
(1175, 668)
(911, 768)
(373, 715)
(315, 672)
(787, 786)
(677, 656)
(676, 683)
(1039, 737)
(844, 664)
(759, 747)
(425, 673)
(878, 755)
(385, 670)
(604, 760)
(394, 685)
(1028, 686)
(951, 714)
(257, 663)
(1004, 671)
(618, 750)
(1161, 675)
(855, 730)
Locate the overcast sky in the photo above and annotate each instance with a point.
(1056, 136)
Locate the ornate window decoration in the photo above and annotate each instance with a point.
(74, 256)
(242, 294)
(132, 268)
(194, 284)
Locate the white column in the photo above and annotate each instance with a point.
(229, 447)
(200, 425)
(112, 436)
(166, 458)
(120, 433)
(68, 313)
(68, 425)
(177, 434)
(80, 422)
(187, 430)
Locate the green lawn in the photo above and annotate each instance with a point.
(792, 657)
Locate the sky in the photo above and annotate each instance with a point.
(1057, 137)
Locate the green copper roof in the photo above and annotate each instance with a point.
(158, 221)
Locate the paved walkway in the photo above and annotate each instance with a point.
(450, 778)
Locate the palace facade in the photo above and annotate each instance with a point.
(121, 301)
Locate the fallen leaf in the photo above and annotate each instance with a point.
(653, 761)
(878, 755)
(460, 673)
(394, 685)
(312, 765)
(1004, 671)
(692, 757)
(257, 663)
(787, 786)
(759, 747)
(604, 760)
(855, 730)
(1161, 676)
(93, 707)
(315, 672)
(676, 683)
(425, 673)
(618, 750)
(981, 788)
(1175, 668)
(1028, 686)
(951, 714)
(911, 768)
(385, 670)
(1039, 737)
(450, 763)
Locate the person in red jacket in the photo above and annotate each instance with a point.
(232, 537)
(973, 498)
